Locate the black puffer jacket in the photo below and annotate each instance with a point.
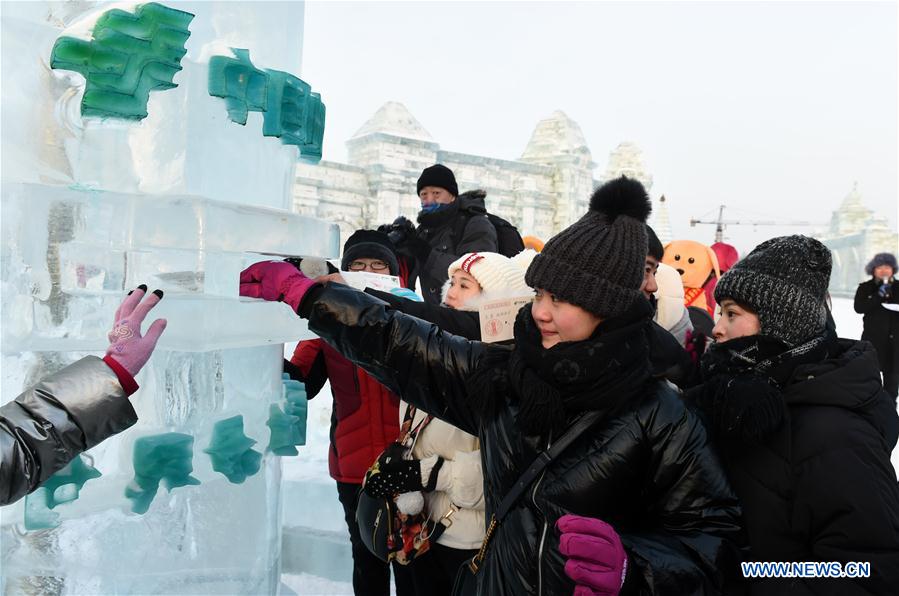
(439, 230)
(650, 471)
(821, 487)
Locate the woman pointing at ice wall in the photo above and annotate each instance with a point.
(72, 410)
(596, 476)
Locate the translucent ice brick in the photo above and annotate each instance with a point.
(230, 450)
(296, 404)
(160, 458)
(283, 432)
(62, 487)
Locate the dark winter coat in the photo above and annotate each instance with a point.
(48, 425)
(649, 471)
(821, 487)
(439, 230)
(365, 416)
(668, 358)
(881, 326)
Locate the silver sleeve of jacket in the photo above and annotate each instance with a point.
(66, 413)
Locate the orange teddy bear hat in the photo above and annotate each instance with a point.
(695, 262)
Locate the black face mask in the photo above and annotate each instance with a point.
(653, 303)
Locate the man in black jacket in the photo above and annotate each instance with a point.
(875, 298)
(450, 225)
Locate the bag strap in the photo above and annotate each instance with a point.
(524, 481)
(406, 430)
(543, 460)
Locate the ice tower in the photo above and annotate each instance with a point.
(155, 143)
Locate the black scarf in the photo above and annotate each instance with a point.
(743, 380)
(603, 372)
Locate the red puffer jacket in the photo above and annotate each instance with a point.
(365, 417)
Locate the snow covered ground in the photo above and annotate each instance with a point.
(306, 476)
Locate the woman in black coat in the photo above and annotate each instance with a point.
(804, 427)
(881, 324)
(639, 503)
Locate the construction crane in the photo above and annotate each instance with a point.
(722, 223)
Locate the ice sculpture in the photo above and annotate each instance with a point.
(230, 450)
(62, 487)
(296, 404)
(291, 111)
(182, 200)
(129, 56)
(160, 458)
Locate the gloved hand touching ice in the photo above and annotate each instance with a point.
(596, 561)
(127, 346)
(276, 281)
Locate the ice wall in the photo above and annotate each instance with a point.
(187, 143)
(182, 200)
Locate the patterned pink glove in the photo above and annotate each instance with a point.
(275, 281)
(127, 347)
(596, 559)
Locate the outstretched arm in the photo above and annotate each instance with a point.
(70, 411)
(412, 358)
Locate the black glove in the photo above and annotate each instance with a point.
(393, 474)
(399, 230)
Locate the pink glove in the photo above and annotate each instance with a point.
(275, 281)
(596, 559)
(127, 347)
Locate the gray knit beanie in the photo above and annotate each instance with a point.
(597, 262)
(784, 280)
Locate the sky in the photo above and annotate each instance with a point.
(774, 109)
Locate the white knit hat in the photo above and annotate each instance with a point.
(491, 270)
(521, 261)
(498, 275)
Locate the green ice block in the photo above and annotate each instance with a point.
(128, 56)
(62, 487)
(157, 458)
(229, 450)
(290, 110)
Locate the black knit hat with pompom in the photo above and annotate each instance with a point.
(597, 262)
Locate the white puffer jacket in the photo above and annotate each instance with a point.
(460, 482)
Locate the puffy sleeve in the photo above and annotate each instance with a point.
(45, 427)
(411, 357)
(693, 544)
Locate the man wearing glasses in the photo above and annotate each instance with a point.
(364, 419)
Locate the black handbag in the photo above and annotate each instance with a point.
(387, 533)
(466, 582)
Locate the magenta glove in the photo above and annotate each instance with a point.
(596, 559)
(275, 281)
(127, 347)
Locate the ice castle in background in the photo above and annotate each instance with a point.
(856, 233)
(155, 144)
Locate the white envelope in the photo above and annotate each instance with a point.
(365, 279)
